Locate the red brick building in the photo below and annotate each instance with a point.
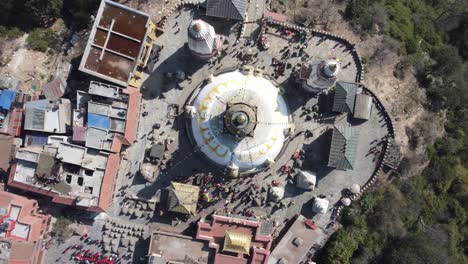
(22, 230)
(235, 240)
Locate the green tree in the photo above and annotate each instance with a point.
(78, 12)
(43, 12)
(341, 248)
(429, 247)
(61, 229)
(42, 39)
(448, 61)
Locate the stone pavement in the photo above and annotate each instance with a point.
(183, 162)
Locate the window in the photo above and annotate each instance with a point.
(89, 172)
(89, 189)
(80, 181)
(68, 178)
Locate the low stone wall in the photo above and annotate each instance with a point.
(378, 170)
(359, 79)
(350, 46)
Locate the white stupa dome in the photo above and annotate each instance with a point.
(331, 68)
(240, 121)
(323, 75)
(201, 38)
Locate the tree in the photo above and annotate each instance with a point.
(7, 8)
(447, 60)
(341, 248)
(43, 12)
(429, 247)
(79, 12)
(42, 39)
(61, 229)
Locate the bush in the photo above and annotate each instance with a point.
(340, 248)
(10, 33)
(42, 39)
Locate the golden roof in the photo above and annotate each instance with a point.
(237, 242)
(183, 198)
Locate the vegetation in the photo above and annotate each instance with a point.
(41, 39)
(10, 32)
(36, 16)
(421, 219)
(61, 229)
(29, 13)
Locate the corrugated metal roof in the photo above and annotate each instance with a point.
(363, 106)
(183, 198)
(237, 242)
(54, 89)
(79, 134)
(133, 114)
(343, 148)
(275, 16)
(345, 95)
(35, 118)
(231, 9)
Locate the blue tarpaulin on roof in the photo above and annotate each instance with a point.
(7, 97)
(36, 139)
(98, 121)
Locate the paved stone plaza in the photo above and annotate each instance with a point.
(162, 96)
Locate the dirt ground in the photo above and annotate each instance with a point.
(30, 67)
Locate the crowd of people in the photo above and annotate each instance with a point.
(83, 254)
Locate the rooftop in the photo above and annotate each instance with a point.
(363, 106)
(112, 116)
(7, 143)
(343, 147)
(48, 116)
(183, 198)
(345, 96)
(241, 236)
(54, 89)
(288, 252)
(168, 247)
(22, 229)
(20, 220)
(230, 9)
(68, 173)
(115, 43)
